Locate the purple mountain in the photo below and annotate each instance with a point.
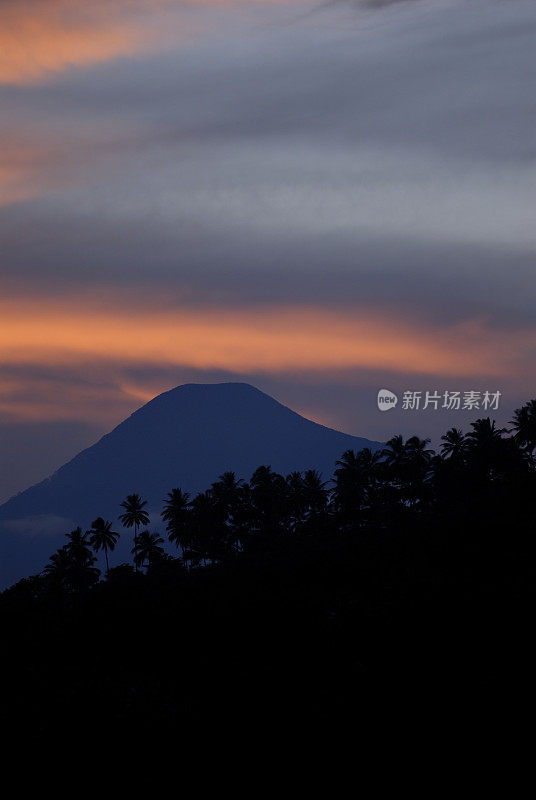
(184, 438)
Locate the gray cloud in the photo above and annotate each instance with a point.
(345, 158)
(456, 79)
(181, 265)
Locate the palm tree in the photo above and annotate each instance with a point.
(242, 517)
(369, 459)
(418, 456)
(524, 426)
(490, 454)
(454, 444)
(73, 566)
(485, 441)
(58, 566)
(394, 453)
(314, 490)
(228, 495)
(417, 472)
(226, 490)
(147, 548)
(76, 540)
(347, 463)
(268, 495)
(485, 431)
(207, 527)
(350, 491)
(407, 467)
(295, 506)
(176, 513)
(82, 568)
(134, 515)
(102, 537)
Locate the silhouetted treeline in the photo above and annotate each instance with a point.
(408, 568)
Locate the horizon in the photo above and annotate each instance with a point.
(170, 391)
(191, 440)
(434, 444)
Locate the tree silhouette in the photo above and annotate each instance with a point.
(228, 493)
(207, 525)
(176, 514)
(474, 476)
(134, 514)
(394, 453)
(226, 490)
(76, 541)
(485, 434)
(268, 496)
(58, 567)
(147, 548)
(454, 444)
(352, 482)
(101, 537)
(315, 493)
(416, 470)
(431, 556)
(72, 567)
(297, 503)
(524, 426)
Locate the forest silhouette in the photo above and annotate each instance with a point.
(409, 570)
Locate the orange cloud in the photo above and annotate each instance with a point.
(42, 37)
(269, 339)
(72, 358)
(39, 38)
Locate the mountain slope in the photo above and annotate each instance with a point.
(185, 437)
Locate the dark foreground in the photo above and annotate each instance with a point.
(317, 630)
(408, 588)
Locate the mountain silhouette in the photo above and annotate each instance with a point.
(184, 438)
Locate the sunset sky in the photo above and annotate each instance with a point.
(322, 199)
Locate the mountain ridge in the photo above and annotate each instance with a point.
(185, 437)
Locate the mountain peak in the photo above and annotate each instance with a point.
(211, 392)
(185, 437)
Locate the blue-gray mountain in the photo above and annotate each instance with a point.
(183, 438)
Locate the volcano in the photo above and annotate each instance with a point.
(186, 438)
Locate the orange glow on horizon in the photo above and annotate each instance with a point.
(269, 338)
(44, 341)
